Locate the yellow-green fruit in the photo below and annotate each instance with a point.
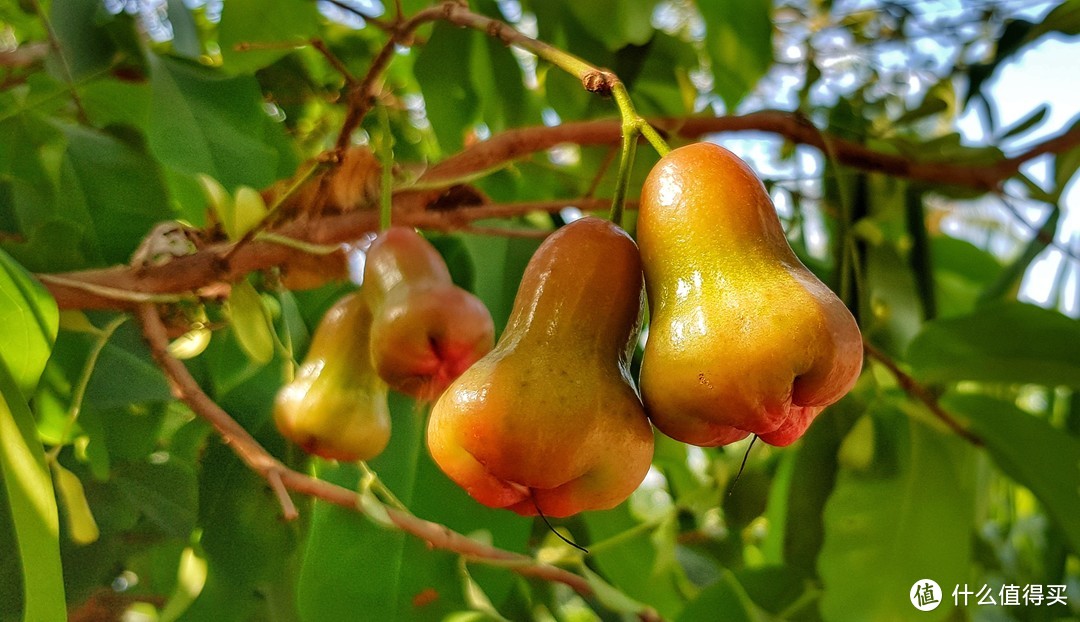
(550, 417)
(336, 406)
(743, 338)
(426, 330)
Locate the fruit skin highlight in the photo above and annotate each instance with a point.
(743, 338)
(550, 417)
(336, 406)
(426, 330)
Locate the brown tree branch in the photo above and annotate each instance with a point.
(123, 287)
(516, 144)
(281, 478)
(190, 274)
(912, 387)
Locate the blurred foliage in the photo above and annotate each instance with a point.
(111, 110)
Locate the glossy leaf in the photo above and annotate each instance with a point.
(727, 596)
(739, 41)
(253, 35)
(28, 323)
(616, 23)
(450, 99)
(1029, 345)
(80, 520)
(85, 47)
(224, 131)
(250, 322)
(33, 507)
(249, 550)
(1031, 451)
(906, 516)
(642, 566)
(354, 569)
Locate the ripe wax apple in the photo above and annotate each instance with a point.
(743, 338)
(426, 331)
(336, 406)
(550, 417)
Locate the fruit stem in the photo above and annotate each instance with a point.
(626, 163)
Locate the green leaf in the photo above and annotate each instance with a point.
(250, 322)
(356, 570)
(249, 550)
(500, 263)
(249, 210)
(644, 566)
(84, 45)
(1000, 343)
(1008, 282)
(1034, 453)
(663, 88)
(801, 496)
(738, 36)
(33, 506)
(443, 71)
(1033, 119)
(120, 187)
(163, 492)
(615, 23)
(907, 517)
(458, 259)
(226, 134)
(185, 41)
(80, 520)
(496, 73)
(273, 31)
(725, 595)
(28, 324)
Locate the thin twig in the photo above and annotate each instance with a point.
(334, 61)
(912, 387)
(288, 508)
(438, 536)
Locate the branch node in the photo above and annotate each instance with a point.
(599, 81)
(288, 509)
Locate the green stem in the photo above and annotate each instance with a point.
(371, 479)
(635, 122)
(84, 382)
(300, 245)
(386, 160)
(628, 534)
(626, 163)
(111, 293)
(592, 78)
(291, 190)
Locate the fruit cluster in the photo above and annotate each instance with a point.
(743, 340)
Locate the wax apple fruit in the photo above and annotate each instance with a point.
(550, 417)
(336, 406)
(743, 338)
(426, 330)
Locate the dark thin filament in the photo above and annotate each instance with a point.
(743, 465)
(561, 537)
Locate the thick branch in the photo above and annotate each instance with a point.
(516, 144)
(280, 476)
(90, 289)
(190, 274)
